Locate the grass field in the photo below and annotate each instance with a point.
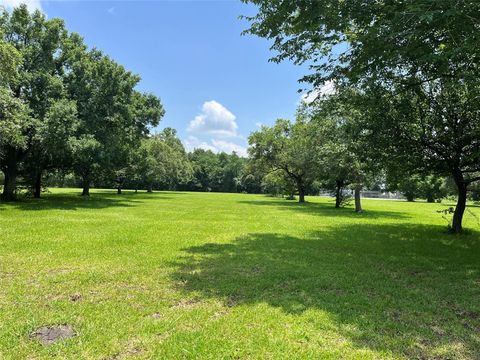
(200, 275)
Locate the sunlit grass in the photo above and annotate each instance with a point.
(199, 275)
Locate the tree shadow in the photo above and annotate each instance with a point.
(72, 201)
(326, 210)
(406, 290)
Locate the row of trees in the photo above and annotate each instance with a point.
(160, 162)
(63, 106)
(70, 115)
(325, 149)
(406, 71)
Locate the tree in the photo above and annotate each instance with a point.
(51, 146)
(174, 160)
(14, 120)
(417, 63)
(278, 184)
(232, 166)
(13, 113)
(162, 161)
(288, 148)
(417, 186)
(251, 180)
(220, 172)
(35, 81)
(10, 59)
(113, 117)
(64, 107)
(344, 159)
(207, 173)
(436, 130)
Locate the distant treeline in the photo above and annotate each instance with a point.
(163, 164)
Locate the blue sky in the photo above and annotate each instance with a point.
(215, 84)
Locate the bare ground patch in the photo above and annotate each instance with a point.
(53, 333)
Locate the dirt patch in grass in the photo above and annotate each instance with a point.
(7, 275)
(470, 315)
(51, 334)
(187, 304)
(75, 297)
(127, 354)
(219, 314)
(60, 271)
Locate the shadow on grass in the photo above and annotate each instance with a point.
(403, 290)
(323, 209)
(72, 201)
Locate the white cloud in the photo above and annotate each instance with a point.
(229, 147)
(214, 145)
(211, 127)
(327, 89)
(193, 143)
(31, 4)
(214, 119)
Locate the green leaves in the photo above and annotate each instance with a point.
(63, 106)
(360, 40)
(10, 60)
(14, 121)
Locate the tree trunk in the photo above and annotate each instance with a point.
(119, 188)
(10, 183)
(150, 188)
(461, 204)
(338, 193)
(358, 201)
(86, 186)
(37, 186)
(301, 193)
(430, 199)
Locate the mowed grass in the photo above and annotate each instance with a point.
(173, 275)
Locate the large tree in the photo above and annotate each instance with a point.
(14, 116)
(417, 62)
(346, 157)
(37, 83)
(289, 148)
(113, 117)
(14, 121)
(51, 145)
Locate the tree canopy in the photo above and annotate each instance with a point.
(64, 106)
(414, 65)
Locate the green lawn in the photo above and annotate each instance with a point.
(201, 275)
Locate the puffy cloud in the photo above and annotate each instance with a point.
(229, 147)
(193, 143)
(215, 123)
(31, 4)
(214, 119)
